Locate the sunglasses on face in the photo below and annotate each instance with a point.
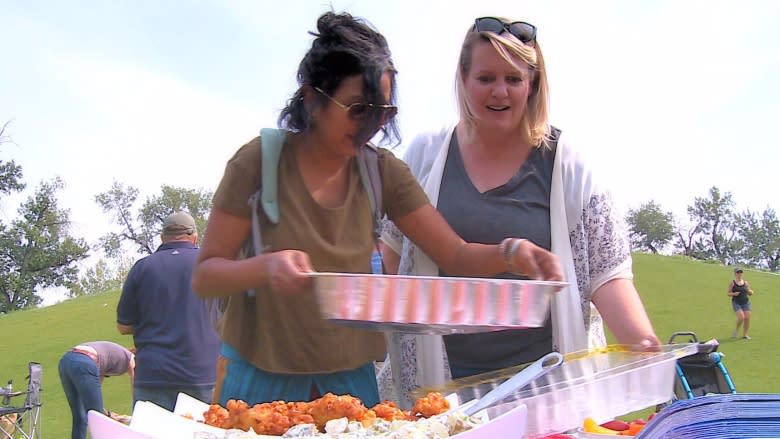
(360, 110)
(525, 32)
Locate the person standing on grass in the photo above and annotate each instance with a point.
(176, 344)
(82, 370)
(739, 290)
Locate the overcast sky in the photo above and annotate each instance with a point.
(667, 98)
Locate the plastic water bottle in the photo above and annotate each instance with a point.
(7, 391)
(376, 263)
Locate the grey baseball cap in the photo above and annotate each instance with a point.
(179, 223)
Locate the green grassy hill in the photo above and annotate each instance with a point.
(680, 295)
(684, 295)
(43, 335)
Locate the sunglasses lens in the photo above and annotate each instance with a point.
(357, 110)
(388, 114)
(523, 31)
(489, 24)
(381, 114)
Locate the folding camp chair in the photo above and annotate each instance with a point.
(702, 373)
(23, 421)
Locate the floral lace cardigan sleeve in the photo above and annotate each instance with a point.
(601, 252)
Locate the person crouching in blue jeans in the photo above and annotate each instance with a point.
(82, 370)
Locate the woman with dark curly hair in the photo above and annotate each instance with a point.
(275, 343)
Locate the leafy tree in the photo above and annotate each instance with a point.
(685, 239)
(715, 219)
(10, 172)
(103, 276)
(172, 199)
(651, 228)
(141, 228)
(37, 250)
(118, 201)
(761, 236)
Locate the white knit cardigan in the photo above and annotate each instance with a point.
(587, 235)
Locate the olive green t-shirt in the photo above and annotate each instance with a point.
(284, 333)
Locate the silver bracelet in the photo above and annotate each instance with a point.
(508, 248)
(503, 250)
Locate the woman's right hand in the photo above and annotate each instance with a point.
(535, 262)
(288, 271)
(218, 273)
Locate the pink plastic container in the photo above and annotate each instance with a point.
(102, 427)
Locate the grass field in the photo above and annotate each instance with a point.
(684, 295)
(680, 295)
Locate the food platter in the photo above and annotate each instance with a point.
(186, 422)
(433, 305)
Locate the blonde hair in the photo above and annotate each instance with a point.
(535, 122)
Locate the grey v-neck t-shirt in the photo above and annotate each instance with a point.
(518, 208)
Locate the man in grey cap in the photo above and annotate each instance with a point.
(176, 344)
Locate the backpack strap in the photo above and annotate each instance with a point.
(368, 166)
(272, 140)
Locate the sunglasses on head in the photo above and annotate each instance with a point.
(360, 110)
(525, 32)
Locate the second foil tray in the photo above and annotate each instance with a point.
(433, 305)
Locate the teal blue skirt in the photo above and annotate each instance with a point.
(244, 381)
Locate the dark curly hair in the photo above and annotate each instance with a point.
(344, 46)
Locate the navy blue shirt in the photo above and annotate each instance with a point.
(175, 341)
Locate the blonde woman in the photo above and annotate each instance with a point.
(503, 171)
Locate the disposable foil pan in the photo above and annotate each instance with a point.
(433, 305)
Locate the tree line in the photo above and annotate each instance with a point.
(713, 230)
(39, 251)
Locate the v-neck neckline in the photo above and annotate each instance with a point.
(461, 168)
(298, 176)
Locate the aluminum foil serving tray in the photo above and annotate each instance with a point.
(433, 305)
